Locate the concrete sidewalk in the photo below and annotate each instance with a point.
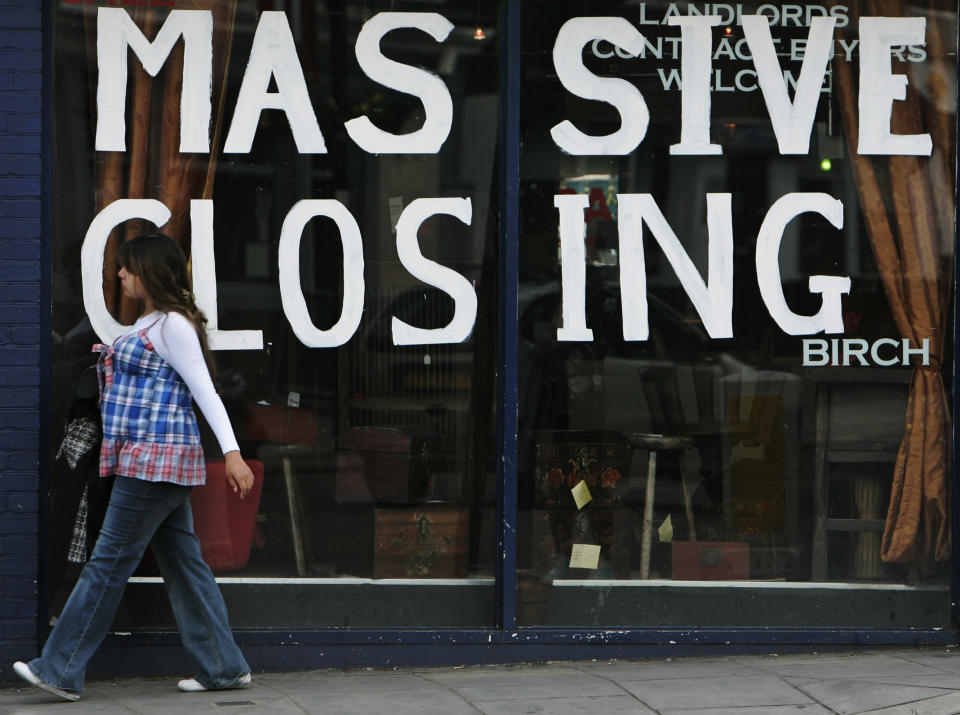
(921, 681)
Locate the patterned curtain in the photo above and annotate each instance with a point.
(908, 207)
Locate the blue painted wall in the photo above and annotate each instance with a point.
(21, 272)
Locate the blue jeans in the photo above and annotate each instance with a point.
(139, 513)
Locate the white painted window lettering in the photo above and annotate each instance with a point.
(291, 292)
(274, 54)
(792, 122)
(578, 80)
(881, 38)
(879, 87)
(818, 352)
(829, 318)
(695, 72)
(116, 31)
(713, 300)
(875, 352)
(434, 274)
(91, 258)
(204, 270)
(422, 84)
(573, 267)
(204, 273)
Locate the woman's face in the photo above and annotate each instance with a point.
(131, 284)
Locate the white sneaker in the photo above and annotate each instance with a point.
(23, 670)
(194, 686)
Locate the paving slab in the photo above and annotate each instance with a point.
(855, 696)
(603, 705)
(160, 697)
(481, 676)
(670, 668)
(34, 703)
(846, 666)
(906, 681)
(336, 684)
(721, 692)
(950, 681)
(441, 702)
(942, 661)
(941, 705)
(540, 686)
(760, 710)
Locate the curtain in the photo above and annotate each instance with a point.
(908, 208)
(152, 167)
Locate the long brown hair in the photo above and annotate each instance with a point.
(161, 265)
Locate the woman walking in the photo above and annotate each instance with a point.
(151, 444)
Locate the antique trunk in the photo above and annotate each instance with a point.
(601, 459)
(425, 541)
(385, 465)
(279, 423)
(556, 530)
(711, 560)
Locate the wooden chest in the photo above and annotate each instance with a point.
(711, 560)
(427, 541)
(565, 457)
(556, 530)
(278, 423)
(386, 465)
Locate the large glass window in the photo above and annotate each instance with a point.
(346, 219)
(734, 318)
(735, 250)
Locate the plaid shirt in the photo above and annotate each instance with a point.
(149, 429)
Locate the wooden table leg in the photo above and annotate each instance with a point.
(687, 501)
(297, 528)
(647, 536)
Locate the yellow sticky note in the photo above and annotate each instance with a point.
(584, 556)
(581, 494)
(665, 532)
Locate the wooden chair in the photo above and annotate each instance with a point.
(684, 411)
(859, 420)
(711, 407)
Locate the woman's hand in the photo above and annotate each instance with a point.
(239, 476)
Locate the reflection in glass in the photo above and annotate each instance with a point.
(726, 480)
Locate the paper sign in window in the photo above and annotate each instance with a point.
(665, 531)
(584, 556)
(581, 494)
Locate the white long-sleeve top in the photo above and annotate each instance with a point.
(175, 340)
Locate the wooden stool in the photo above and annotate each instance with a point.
(298, 523)
(654, 443)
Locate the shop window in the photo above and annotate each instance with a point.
(378, 496)
(706, 438)
(694, 471)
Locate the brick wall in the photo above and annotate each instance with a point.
(20, 278)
